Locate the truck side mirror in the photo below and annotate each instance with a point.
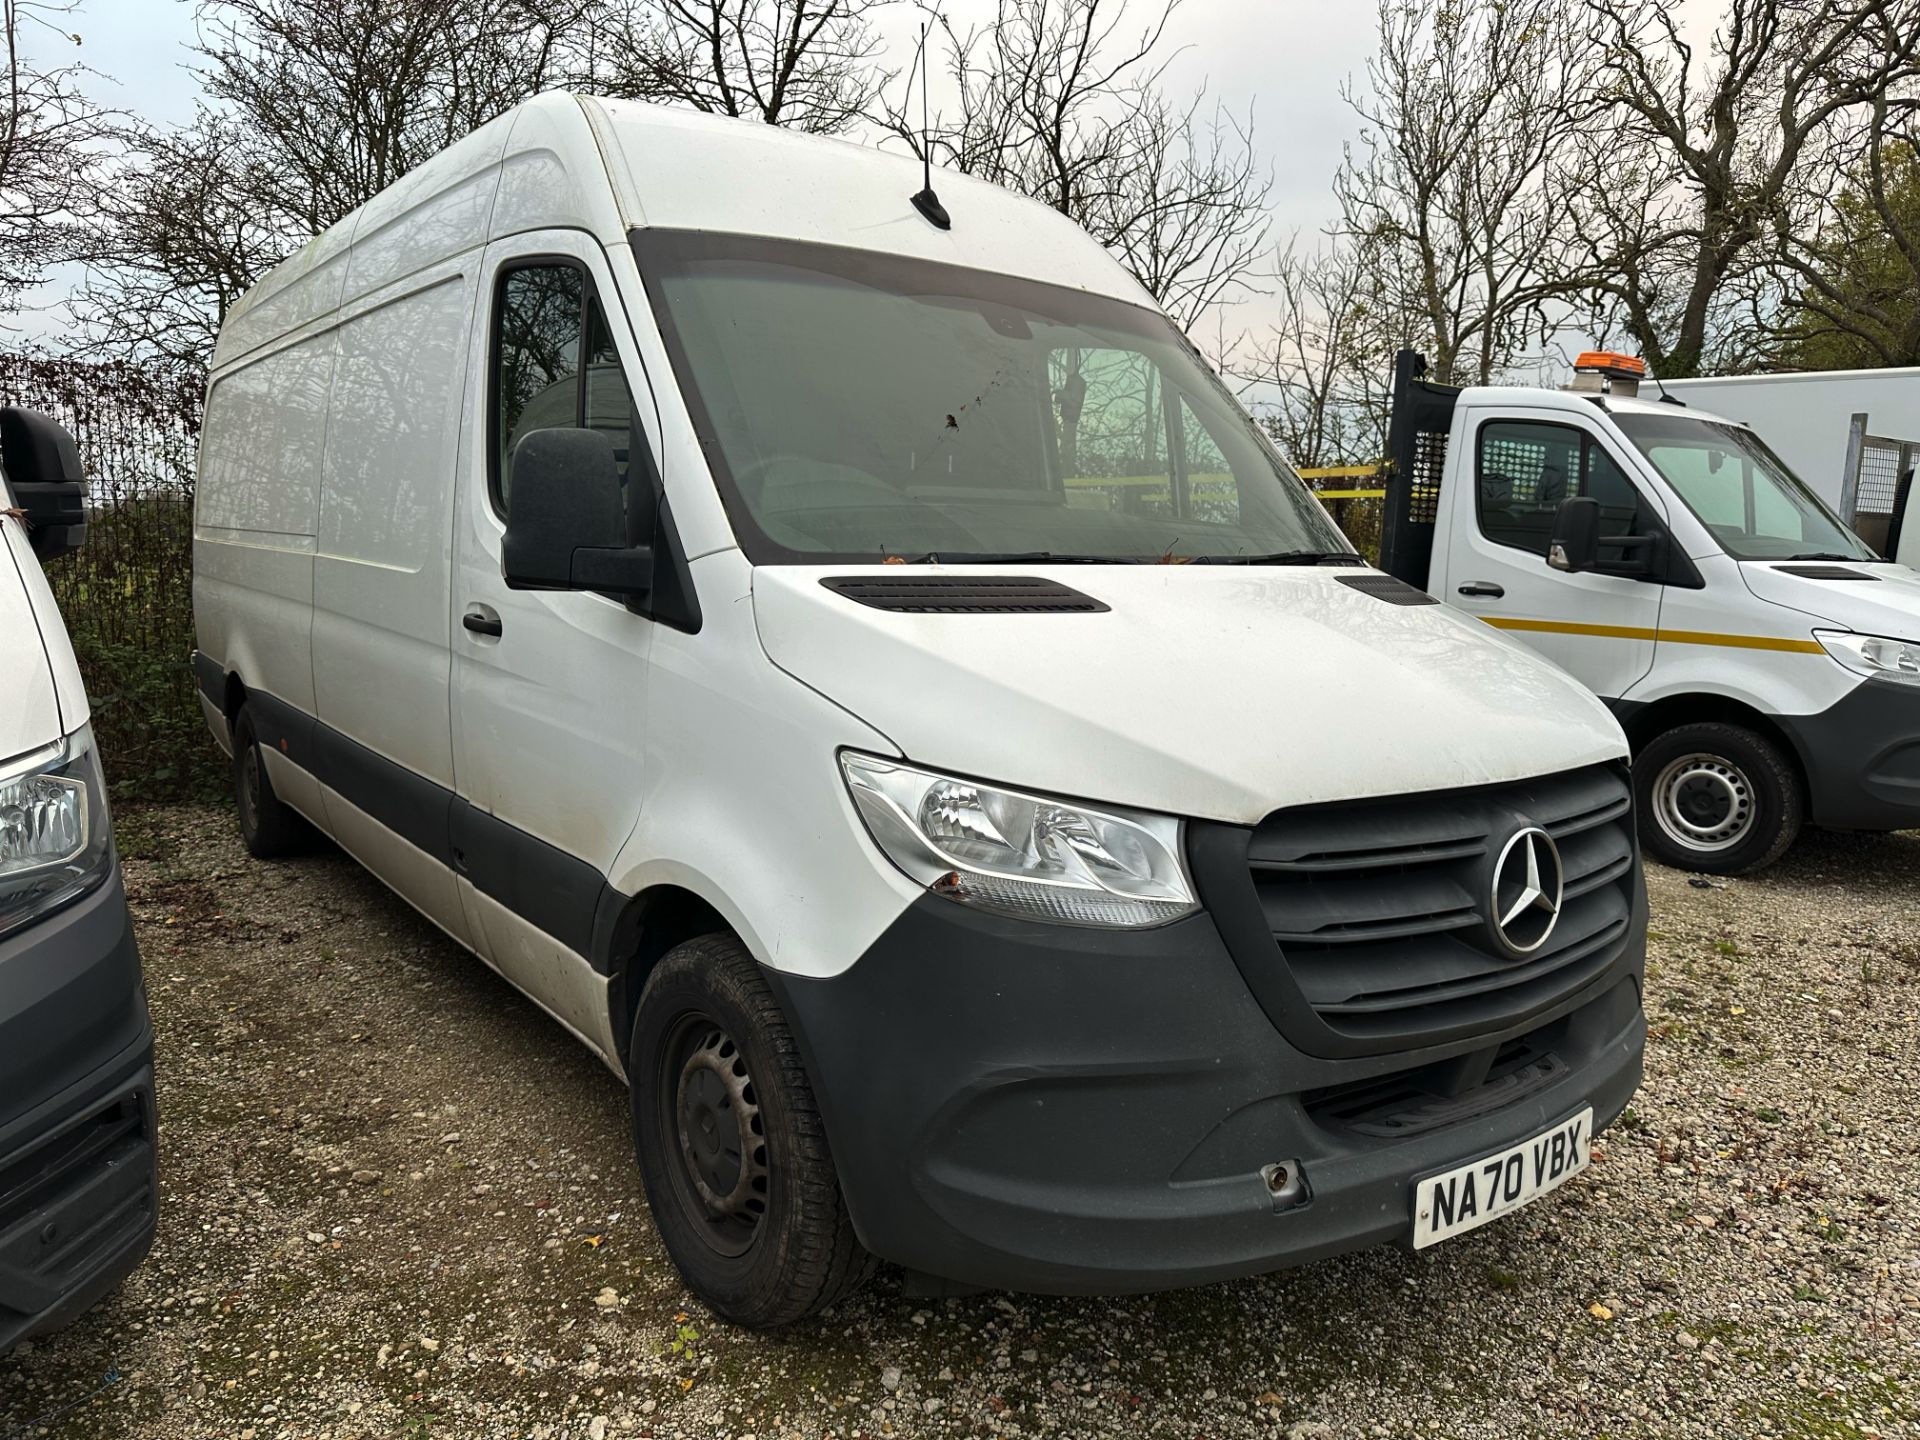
(47, 481)
(565, 525)
(1576, 536)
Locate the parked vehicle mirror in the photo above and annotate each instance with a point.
(44, 473)
(1576, 536)
(1577, 541)
(565, 525)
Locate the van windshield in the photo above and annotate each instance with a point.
(859, 406)
(1755, 506)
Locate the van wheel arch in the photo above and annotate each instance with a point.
(1701, 761)
(646, 927)
(1648, 722)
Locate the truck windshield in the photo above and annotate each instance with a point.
(860, 406)
(1756, 508)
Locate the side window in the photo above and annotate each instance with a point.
(1528, 468)
(1619, 498)
(554, 364)
(536, 358)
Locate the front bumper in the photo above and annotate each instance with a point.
(1053, 1110)
(77, 1180)
(1862, 758)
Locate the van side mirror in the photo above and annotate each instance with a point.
(565, 526)
(1576, 536)
(1576, 543)
(47, 481)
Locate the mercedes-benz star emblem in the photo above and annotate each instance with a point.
(1528, 886)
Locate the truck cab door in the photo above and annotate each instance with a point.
(1512, 469)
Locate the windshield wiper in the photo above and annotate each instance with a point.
(1280, 557)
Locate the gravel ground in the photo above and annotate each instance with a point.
(400, 1202)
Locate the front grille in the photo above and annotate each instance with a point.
(26, 1183)
(69, 1205)
(1379, 909)
(1412, 1102)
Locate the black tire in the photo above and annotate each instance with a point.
(735, 1160)
(270, 827)
(1716, 798)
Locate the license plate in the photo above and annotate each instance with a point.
(1460, 1200)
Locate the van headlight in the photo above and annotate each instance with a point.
(53, 829)
(1026, 855)
(1873, 654)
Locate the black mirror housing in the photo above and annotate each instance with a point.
(44, 473)
(1576, 536)
(566, 527)
(1576, 543)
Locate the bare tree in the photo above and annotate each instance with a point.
(52, 144)
(349, 95)
(183, 233)
(1852, 277)
(1318, 380)
(807, 64)
(1720, 148)
(311, 110)
(1451, 187)
(1063, 100)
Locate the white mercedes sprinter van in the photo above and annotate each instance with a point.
(78, 1190)
(864, 677)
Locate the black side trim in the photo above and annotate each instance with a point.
(559, 893)
(414, 808)
(542, 884)
(1385, 587)
(212, 680)
(281, 727)
(972, 595)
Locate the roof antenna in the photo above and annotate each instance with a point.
(926, 202)
(1665, 398)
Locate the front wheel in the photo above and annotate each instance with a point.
(1716, 798)
(732, 1152)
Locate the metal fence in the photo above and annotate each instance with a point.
(127, 594)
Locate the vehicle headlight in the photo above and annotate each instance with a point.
(1025, 855)
(1873, 654)
(53, 829)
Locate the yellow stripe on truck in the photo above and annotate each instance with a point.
(1668, 637)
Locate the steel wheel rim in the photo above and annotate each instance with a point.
(1705, 803)
(718, 1159)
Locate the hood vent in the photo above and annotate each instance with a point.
(964, 595)
(1385, 587)
(1824, 572)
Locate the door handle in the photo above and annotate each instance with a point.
(481, 623)
(1485, 589)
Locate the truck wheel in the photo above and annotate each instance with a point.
(735, 1161)
(269, 827)
(1716, 798)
